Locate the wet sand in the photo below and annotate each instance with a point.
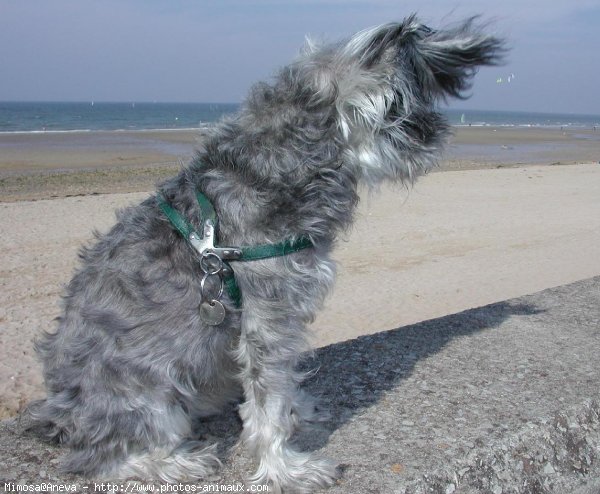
(477, 147)
(49, 165)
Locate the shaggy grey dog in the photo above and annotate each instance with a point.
(138, 356)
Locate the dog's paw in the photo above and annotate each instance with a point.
(190, 461)
(294, 472)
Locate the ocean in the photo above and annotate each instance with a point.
(65, 117)
(99, 116)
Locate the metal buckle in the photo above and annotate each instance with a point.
(206, 245)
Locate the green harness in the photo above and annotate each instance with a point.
(205, 244)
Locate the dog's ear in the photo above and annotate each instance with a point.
(447, 60)
(441, 62)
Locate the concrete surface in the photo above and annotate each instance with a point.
(500, 399)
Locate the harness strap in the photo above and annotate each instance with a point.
(256, 252)
(244, 253)
(176, 219)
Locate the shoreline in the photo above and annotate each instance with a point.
(101, 131)
(563, 128)
(49, 165)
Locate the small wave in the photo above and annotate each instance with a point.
(35, 132)
(101, 131)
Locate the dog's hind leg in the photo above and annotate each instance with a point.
(117, 420)
(268, 352)
(150, 443)
(117, 438)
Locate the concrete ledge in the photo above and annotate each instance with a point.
(500, 399)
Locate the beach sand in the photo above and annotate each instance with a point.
(496, 222)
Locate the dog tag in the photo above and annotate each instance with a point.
(212, 313)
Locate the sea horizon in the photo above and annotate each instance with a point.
(91, 116)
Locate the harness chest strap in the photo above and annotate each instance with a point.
(205, 243)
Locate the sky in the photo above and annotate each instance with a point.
(213, 50)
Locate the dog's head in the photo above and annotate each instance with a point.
(367, 104)
(384, 84)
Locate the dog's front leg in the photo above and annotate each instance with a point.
(268, 352)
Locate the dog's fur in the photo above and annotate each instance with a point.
(132, 365)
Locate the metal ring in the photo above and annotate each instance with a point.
(205, 264)
(203, 281)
